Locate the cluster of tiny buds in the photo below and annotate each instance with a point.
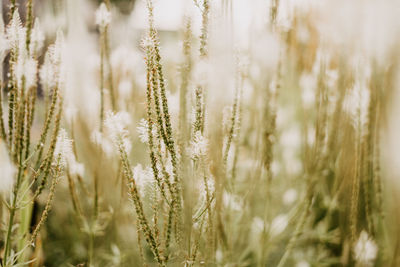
(148, 42)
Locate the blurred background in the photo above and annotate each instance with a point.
(319, 99)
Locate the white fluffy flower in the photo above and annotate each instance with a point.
(308, 83)
(279, 224)
(200, 72)
(25, 67)
(37, 38)
(70, 113)
(63, 150)
(365, 250)
(173, 106)
(116, 124)
(142, 176)
(65, 154)
(7, 170)
(142, 129)
(98, 139)
(289, 196)
(291, 137)
(219, 255)
(103, 16)
(147, 42)
(125, 88)
(357, 102)
(257, 226)
(16, 34)
(199, 146)
(76, 168)
(51, 71)
(232, 202)
(25, 71)
(47, 74)
(302, 264)
(124, 59)
(56, 50)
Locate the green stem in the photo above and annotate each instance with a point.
(12, 215)
(91, 245)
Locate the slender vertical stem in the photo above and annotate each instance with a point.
(2, 128)
(101, 79)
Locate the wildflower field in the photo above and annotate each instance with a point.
(188, 133)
